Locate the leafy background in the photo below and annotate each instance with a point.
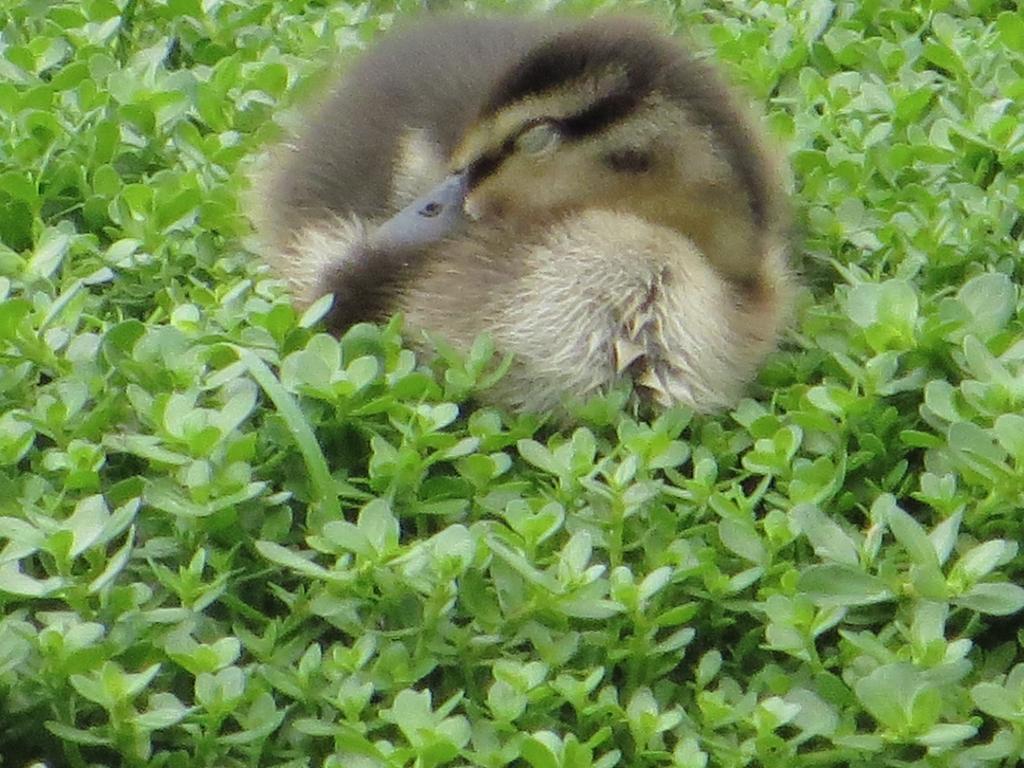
(227, 539)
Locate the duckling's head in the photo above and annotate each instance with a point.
(614, 115)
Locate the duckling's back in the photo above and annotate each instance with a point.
(427, 82)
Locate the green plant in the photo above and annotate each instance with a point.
(228, 539)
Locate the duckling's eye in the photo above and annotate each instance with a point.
(542, 137)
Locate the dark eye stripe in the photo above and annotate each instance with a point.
(488, 163)
(482, 167)
(587, 122)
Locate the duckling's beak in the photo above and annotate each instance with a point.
(426, 219)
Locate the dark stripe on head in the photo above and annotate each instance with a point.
(599, 115)
(592, 50)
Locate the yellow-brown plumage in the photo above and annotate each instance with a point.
(626, 219)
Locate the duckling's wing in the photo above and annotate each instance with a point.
(599, 297)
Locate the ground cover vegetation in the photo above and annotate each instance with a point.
(228, 539)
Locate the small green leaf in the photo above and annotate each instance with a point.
(540, 457)
(1009, 429)
(380, 527)
(908, 532)
(576, 554)
(898, 697)
(740, 537)
(541, 750)
(994, 599)
(830, 542)
(990, 299)
(49, 253)
(981, 560)
(285, 557)
(90, 738)
(995, 700)
(708, 668)
(87, 523)
(14, 582)
(1011, 30)
(842, 585)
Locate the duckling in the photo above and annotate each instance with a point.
(590, 194)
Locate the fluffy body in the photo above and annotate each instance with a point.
(649, 244)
